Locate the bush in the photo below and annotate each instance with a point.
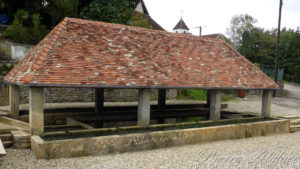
(4, 69)
(25, 29)
(192, 94)
(38, 31)
(17, 31)
(201, 95)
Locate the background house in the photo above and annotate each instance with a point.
(181, 27)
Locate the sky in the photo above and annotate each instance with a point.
(215, 15)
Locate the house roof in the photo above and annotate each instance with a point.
(216, 35)
(152, 22)
(181, 25)
(82, 53)
(144, 8)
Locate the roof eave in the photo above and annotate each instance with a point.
(134, 87)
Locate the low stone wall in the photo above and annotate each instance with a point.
(60, 95)
(152, 140)
(13, 51)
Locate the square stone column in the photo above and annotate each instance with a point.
(14, 100)
(36, 110)
(266, 103)
(144, 107)
(215, 105)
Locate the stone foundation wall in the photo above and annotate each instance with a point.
(121, 143)
(59, 95)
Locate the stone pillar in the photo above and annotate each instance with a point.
(144, 107)
(36, 110)
(162, 94)
(215, 105)
(14, 100)
(99, 104)
(266, 103)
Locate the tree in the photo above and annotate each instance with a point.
(289, 56)
(238, 25)
(139, 20)
(10, 7)
(258, 45)
(26, 29)
(116, 11)
(59, 9)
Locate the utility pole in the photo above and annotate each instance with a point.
(200, 29)
(277, 46)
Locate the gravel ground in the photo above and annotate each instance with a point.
(252, 104)
(276, 151)
(287, 106)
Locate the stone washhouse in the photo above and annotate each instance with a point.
(89, 54)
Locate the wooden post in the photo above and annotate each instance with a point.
(14, 100)
(144, 107)
(215, 105)
(36, 110)
(162, 94)
(266, 103)
(99, 104)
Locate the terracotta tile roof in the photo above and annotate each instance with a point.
(81, 53)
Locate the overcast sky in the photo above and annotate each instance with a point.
(216, 14)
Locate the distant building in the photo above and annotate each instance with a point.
(219, 36)
(216, 36)
(181, 27)
(141, 7)
(141, 10)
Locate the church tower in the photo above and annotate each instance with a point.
(181, 27)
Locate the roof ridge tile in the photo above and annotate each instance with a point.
(138, 28)
(42, 55)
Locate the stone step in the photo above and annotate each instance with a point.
(5, 131)
(295, 122)
(7, 144)
(292, 117)
(6, 137)
(295, 128)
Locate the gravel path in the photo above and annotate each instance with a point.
(276, 151)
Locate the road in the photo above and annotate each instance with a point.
(292, 100)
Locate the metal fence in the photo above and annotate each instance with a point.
(270, 71)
